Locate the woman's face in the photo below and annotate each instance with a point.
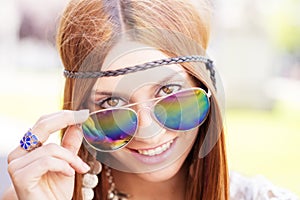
(156, 153)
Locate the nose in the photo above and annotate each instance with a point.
(144, 115)
(147, 126)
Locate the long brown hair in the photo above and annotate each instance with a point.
(87, 25)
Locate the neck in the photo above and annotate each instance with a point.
(140, 188)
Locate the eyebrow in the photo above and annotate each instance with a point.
(109, 93)
(168, 78)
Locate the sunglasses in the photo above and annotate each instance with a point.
(111, 129)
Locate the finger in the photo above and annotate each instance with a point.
(47, 125)
(36, 176)
(52, 150)
(35, 170)
(43, 128)
(72, 139)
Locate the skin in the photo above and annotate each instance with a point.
(166, 183)
(46, 170)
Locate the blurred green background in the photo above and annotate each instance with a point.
(256, 48)
(266, 143)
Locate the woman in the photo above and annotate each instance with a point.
(125, 61)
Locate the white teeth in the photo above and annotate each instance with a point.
(157, 150)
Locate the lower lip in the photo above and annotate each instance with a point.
(156, 158)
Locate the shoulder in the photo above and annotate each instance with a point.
(256, 188)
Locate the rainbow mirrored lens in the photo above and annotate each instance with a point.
(184, 110)
(110, 129)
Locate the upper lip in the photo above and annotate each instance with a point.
(149, 148)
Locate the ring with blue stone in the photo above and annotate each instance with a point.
(30, 141)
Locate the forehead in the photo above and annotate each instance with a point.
(136, 80)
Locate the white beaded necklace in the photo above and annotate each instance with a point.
(113, 193)
(90, 181)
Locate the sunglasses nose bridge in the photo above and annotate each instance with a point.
(147, 126)
(144, 115)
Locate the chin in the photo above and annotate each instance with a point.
(163, 174)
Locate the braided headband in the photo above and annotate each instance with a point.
(167, 61)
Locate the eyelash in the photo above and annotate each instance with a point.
(168, 86)
(101, 102)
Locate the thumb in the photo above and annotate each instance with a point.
(72, 138)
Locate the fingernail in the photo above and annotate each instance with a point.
(71, 172)
(85, 167)
(81, 115)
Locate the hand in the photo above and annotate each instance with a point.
(48, 172)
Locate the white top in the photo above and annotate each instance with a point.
(256, 188)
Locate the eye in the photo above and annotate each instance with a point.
(111, 102)
(168, 89)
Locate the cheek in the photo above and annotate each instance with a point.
(192, 135)
(188, 139)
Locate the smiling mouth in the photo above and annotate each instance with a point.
(155, 151)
